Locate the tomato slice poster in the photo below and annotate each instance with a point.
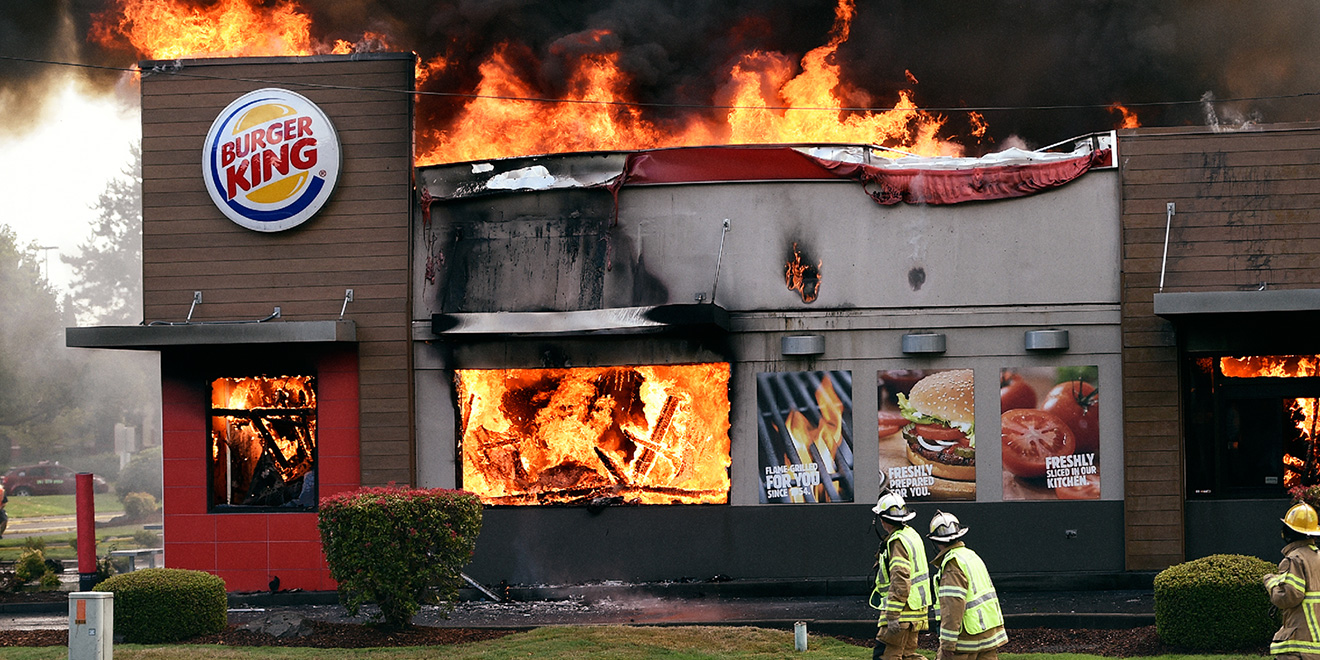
(927, 433)
(1050, 432)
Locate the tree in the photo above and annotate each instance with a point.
(107, 271)
(35, 374)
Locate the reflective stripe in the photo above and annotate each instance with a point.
(953, 592)
(983, 598)
(975, 646)
(1294, 645)
(947, 635)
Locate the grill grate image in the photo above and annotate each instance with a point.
(804, 421)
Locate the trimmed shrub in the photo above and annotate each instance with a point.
(1215, 603)
(139, 506)
(398, 547)
(31, 566)
(159, 605)
(142, 475)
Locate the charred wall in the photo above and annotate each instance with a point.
(360, 240)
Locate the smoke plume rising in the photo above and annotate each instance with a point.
(1045, 70)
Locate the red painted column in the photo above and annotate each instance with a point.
(86, 531)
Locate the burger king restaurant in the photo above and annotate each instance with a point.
(655, 365)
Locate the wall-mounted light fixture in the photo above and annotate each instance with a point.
(1045, 340)
(923, 342)
(801, 345)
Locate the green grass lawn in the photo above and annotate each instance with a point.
(58, 505)
(575, 642)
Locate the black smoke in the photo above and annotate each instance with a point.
(1042, 70)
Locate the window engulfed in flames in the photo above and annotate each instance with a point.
(263, 440)
(635, 435)
(1301, 459)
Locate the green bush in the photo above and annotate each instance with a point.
(142, 475)
(139, 506)
(31, 566)
(159, 605)
(146, 538)
(1215, 603)
(398, 547)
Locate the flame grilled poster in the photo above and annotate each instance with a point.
(927, 433)
(805, 436)
(1049, 426)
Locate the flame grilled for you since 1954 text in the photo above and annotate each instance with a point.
(766, 97)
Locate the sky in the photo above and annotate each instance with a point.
(52, 173)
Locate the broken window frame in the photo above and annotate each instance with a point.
(215, 501)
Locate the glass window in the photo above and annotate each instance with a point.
(263, 442)
(1251, 424)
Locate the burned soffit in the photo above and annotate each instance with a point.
(155, 337)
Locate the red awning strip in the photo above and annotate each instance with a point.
(884, 185)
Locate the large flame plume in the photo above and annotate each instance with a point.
(766, 97)
(636, 435)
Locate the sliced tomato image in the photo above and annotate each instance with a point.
(1077, 403)
(941, 433)
(1014, 392)
(1031, 436)
(891, 423)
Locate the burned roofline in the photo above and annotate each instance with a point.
(762, 162)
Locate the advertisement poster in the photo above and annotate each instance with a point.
(805, 429)
(927, 433)
(1050, 432)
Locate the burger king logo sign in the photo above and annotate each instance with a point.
(271, 160)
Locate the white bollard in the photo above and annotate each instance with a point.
(91, 625)
(800, 636)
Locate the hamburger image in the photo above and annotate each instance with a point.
(941, 431)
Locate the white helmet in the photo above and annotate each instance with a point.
(944, 527)
(891, 506)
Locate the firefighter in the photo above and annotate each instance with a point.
(902, 582)
(971, 621)
(1297, 581)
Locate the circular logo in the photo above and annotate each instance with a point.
(271, 160)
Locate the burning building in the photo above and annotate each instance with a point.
(644, 360)
(640, 360)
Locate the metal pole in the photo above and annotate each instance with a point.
(1168, 222)
(86, 517)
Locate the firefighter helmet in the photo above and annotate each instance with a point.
(1302, 518)
(891, 507)
(944, 527)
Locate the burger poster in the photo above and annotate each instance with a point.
(927, 433)
(1049, 427)
(805, 436)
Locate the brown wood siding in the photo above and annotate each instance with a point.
(1246, 205)
(359, 240)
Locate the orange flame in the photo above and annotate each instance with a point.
(826, 437)
(802, 277)
(646, 434)
(1129, 117)
(1297, 470)
(170, 29)
(1270, 366)
(256, 417)
(769, 98)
